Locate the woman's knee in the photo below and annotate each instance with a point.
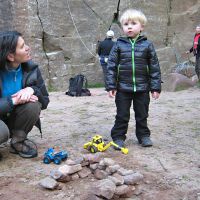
(32, 108)
(4, 132)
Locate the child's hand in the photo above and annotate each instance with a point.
(112, 93)
(155, 95)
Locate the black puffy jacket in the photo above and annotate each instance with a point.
(31, 78)
(133, 67)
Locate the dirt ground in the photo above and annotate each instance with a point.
(171, 168)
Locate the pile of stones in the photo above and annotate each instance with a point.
(111, 180)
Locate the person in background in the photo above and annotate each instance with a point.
(22, 94)
(104, 49)
(132, 72)
(196, 50)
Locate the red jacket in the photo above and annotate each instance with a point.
(196, 45)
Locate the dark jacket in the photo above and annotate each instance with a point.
(31, 78)
(133, 68)
(105, 47)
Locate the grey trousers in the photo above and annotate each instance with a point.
(4, 132)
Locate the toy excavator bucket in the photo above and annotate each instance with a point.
(122, 149)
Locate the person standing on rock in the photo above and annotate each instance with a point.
(132, 72)
(196, 50)
(104, 49)
(22, 94)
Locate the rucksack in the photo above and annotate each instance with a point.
(78, 86)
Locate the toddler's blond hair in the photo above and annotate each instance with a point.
(133, 15)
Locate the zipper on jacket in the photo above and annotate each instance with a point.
(148, 70)
(133, 61)
(118, 73)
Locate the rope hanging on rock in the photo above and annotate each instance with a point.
(78, 31)
(116, 15)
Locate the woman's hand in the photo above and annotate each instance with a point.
(33, 98)
(23, 96)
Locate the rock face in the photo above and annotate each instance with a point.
(175, 82)
(63, 34)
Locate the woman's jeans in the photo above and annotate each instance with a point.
(22, 119)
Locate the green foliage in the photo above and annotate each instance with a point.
(95, 85)
(181, 87)
(198, 84)
(51, 88)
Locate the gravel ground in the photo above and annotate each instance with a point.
(171, 168)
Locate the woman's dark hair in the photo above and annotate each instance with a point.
(8, 44)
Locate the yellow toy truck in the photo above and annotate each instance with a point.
(97, 145)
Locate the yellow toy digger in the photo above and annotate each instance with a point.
(97, 145)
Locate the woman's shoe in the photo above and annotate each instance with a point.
(25, 149)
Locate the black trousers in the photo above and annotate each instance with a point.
(123, 102)
(23, 118)
(197, 66)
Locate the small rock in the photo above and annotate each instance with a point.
(101, 165)
(100, 174)
(55, 174)
(69, 169)
(124, 172)
(79, 160)
(117, 179)
(94, 166)
(133, 178)
(70, 162)
(108, 162)
(84, 172)
(64, 178)
(112, 169)
(129, 193)
(138, 190)
(122, 189)
(74, 177)
(93, 158)
(105, 188)
(48, 183)
(85, 163)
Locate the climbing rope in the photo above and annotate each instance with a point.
(115, 15)
(78, 31)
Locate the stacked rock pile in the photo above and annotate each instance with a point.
(111, 180)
